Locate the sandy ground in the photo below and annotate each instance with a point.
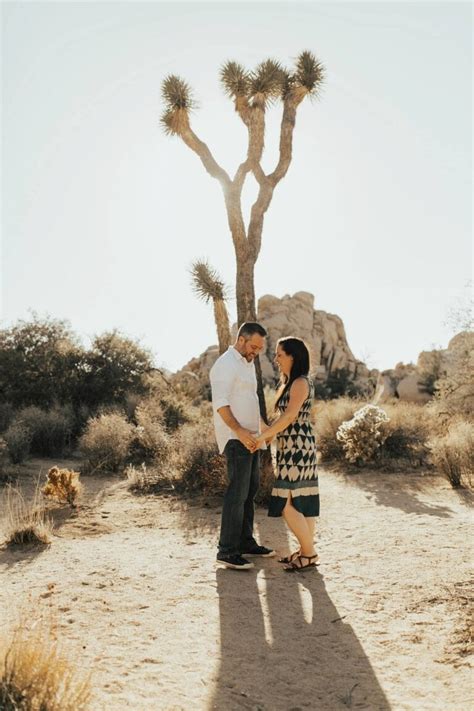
(132, 585)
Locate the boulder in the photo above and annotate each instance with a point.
(295, 315)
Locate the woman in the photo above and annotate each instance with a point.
(295, 493)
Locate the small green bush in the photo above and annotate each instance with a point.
(18, 438)
(51, 430)
(106, 442)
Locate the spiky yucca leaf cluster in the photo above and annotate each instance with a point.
(235, 79)
(309, 72)
(266, 81)
(271, 81)
(206, 282)
(179, 101)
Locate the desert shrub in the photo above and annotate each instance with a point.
(114, 367)
(453, 454)
(131, 402)
(430, 370)
(7, 412)
(50, 429)
(176, 412)
(106, 442)
(35, 676)
(145, 479)
(407, 430)
(18, 438)
(328, 417)
(339, 383)
(455, 389)
(151, 439)
(26, 521)
(197, 462)
(362, 436)
(40, 362)
(4, 474)
(63, 485)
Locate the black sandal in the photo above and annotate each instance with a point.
(289, 558)
(294, 567)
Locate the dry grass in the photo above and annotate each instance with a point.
(26, 521)
(63, 485)
(145, 479)
(453, 453)
(35, 676)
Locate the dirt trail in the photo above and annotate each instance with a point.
(381, 625)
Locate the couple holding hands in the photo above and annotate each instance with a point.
(241, 434)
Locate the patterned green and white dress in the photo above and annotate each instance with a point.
(296, 473)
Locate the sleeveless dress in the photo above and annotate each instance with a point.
(296, 471)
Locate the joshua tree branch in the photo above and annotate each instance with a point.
(257, 214)
(208, 160)
(288, 120)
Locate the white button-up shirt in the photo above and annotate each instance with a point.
(234, 383)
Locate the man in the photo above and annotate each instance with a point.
(237, 422)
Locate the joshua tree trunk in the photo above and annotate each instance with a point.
(251, 93)
(221, 318)
(244, 290)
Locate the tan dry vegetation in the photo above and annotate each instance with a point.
(381, 624)
(25, 520)
(36, 676)
(63, 485)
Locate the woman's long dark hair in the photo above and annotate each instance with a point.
(297, 348)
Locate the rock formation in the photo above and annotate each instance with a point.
(325, 336)
(415, 383)
(294, 316)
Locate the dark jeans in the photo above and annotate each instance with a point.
(243, 471)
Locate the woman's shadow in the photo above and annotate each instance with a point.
(284, 646)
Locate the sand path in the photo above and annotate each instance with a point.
(381, 625)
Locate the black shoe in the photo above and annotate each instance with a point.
(234, 561)
(260, 550)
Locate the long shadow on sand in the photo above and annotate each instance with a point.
(21, 554)
(285, 647)
(399, 491)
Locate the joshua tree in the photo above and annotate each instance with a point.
(208, 285)
(251, 93)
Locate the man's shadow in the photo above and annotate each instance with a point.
(284, 646)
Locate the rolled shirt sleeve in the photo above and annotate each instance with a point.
(221, 386)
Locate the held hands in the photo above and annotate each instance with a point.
(247, 438)
(252, 440)
(260, 439)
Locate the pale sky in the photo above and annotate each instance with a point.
(103, 213)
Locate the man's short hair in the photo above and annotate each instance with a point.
(249, 328)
